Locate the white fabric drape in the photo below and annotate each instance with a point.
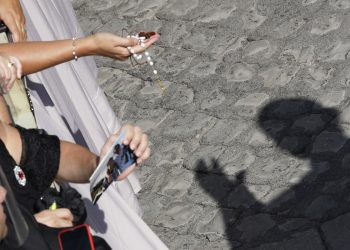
(69, 103)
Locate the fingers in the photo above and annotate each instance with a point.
(63, 213)
(138, 142)
(141, 47)
(136, 139)
(144, 155)
(18, 66)
(132, 135)
(61, 217)
(10, 69)
(16, 27)
(11, 14)
(134, 47)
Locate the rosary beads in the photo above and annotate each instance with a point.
(145, 57)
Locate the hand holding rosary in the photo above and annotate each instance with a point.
(145, 56)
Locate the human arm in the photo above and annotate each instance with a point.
(78, 163)
(75, 163)
(36, 56)
(11, 14)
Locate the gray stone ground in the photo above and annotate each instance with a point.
(250, 140)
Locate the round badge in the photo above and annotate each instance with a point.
(20, 176)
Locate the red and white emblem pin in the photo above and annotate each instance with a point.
(20, 176)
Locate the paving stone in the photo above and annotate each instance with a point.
(336, 51)
(289, 27)
(213, 222)
(263, 222)
(213, 12)
(176, 126)
(235, 161)
(293, 224)
(324, 25)
(213, 99)
(340, 4)
(179, 97)
(240, 72)
(179, 214)
(258, 49)
(251, 137)
(224, 132)
(204, 159)
(180, 8)
(177, 183)
(319, 207)
(252, 19)
(278, 76)
(336, 232)
(244, 196)
(305, 240)
(328, 142)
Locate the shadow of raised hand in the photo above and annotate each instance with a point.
(230, 194)
(310, 213)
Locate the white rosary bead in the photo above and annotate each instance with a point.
(146, 53)
(155, 72)
(149, 58)
(151, 63)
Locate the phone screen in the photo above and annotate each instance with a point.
(78, 237)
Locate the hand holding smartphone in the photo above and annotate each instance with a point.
(118, 161)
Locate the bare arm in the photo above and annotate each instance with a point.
(36, 56)
(77, 163)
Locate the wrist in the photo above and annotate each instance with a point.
(85, 46)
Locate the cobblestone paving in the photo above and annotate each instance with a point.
(250, 140)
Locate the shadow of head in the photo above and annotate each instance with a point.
(301, 126)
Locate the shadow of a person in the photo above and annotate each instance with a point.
(311, 213)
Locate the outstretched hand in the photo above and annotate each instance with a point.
(116, 47)
(137, 141)
(11, 14)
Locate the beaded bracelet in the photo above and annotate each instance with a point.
(74, 46)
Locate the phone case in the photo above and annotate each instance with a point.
(78, 237)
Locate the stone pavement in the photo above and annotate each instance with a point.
(250, 140)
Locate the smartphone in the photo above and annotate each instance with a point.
(78, 237)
